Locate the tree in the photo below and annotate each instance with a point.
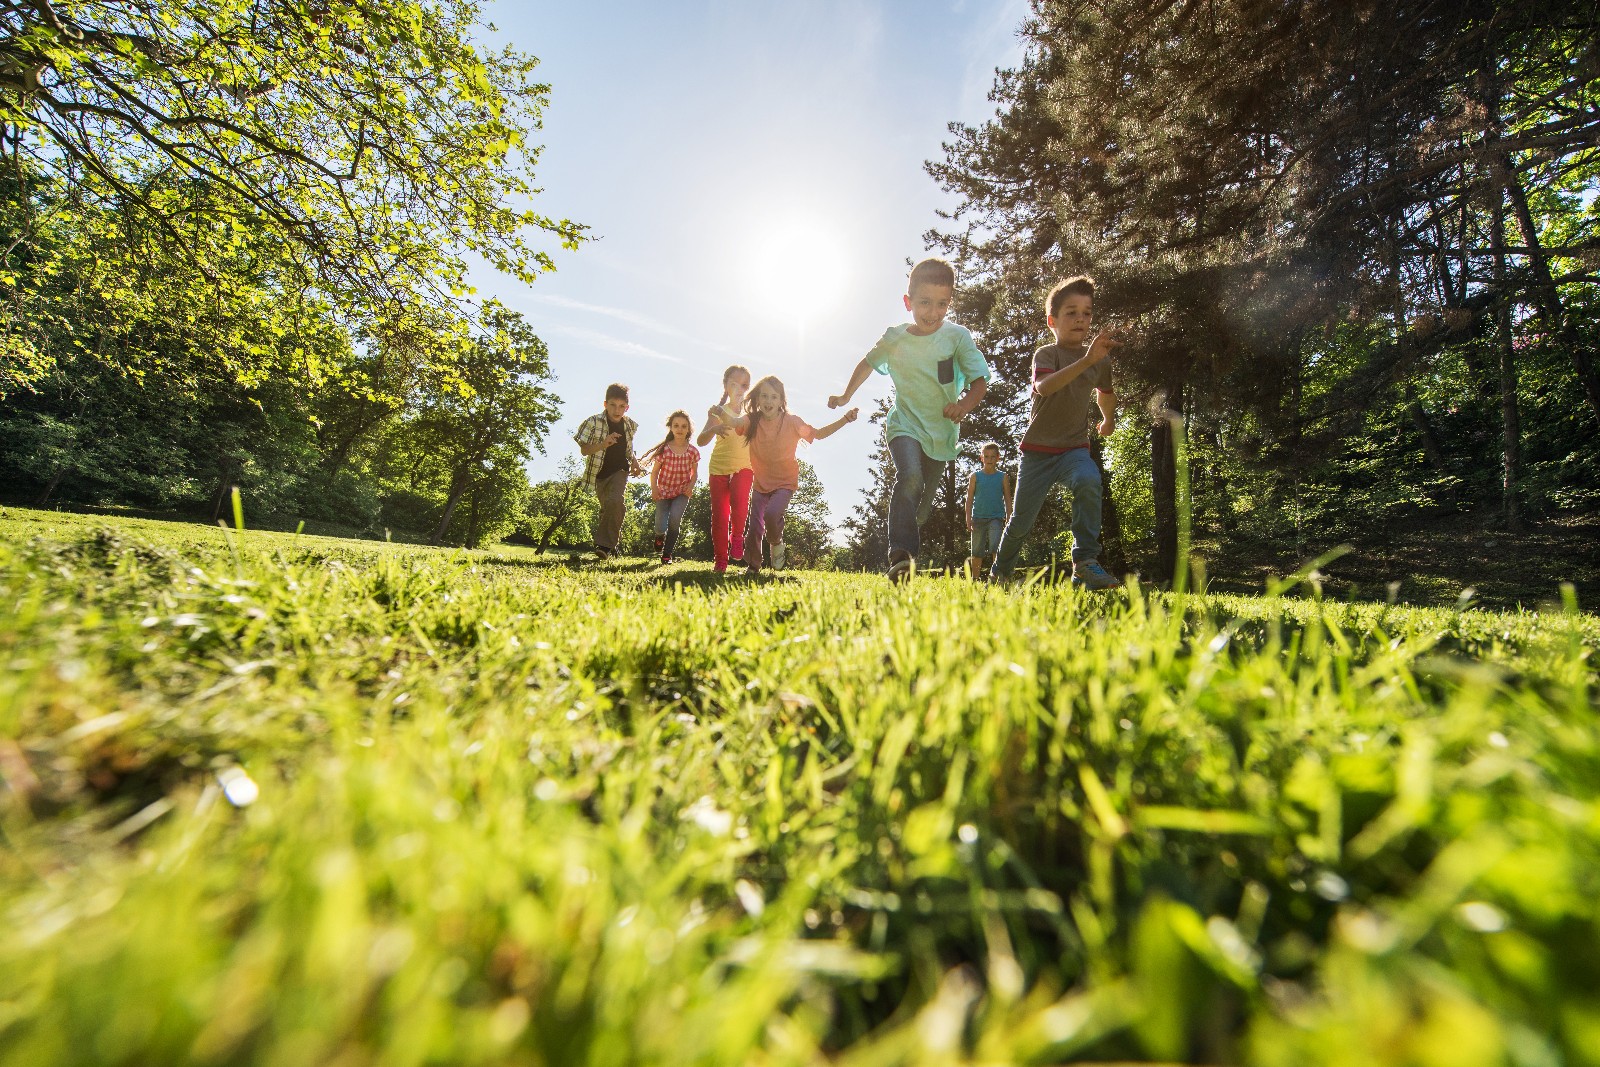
(1244, 177)
(498, 413)
(562, 508)
(374, 142)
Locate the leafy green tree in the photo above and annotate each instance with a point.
(561, 509)
(374, 142)
(497, 413)
(1242, 178)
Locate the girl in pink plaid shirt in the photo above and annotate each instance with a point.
(674, 468)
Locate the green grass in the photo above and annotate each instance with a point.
(289, 800)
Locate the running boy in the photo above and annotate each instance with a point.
(939, 378)
(988, 509)
(606, 441)
(1055, 447)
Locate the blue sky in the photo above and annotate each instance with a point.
(753, 172)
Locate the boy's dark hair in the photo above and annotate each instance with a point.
(932, 271)
(1079, 285)
(616, 391)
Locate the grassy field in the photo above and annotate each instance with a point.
(290, 800)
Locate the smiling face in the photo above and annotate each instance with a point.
(769, 401)
(928, 304)
(737, 384)
(680, 427)
(1072, 320)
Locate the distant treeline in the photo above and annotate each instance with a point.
(233, 247)
(1358, 246)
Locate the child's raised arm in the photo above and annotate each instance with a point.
(833, 427)
(715, 427)
(1106, 342)
(728, 418)
(862, 372)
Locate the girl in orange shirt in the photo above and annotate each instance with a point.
(773, 435)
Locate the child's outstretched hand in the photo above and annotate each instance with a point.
(837, 402)
(852, 414)
(714, 415)
(954, 411)
(1105, 342)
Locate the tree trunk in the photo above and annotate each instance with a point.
(224, 484)
(1548, 295)
(562, 511)
(50, 487)
(1510, 417)
(458, 489)
(1164, 481)
(1431, 446)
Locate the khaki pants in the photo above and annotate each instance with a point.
(612, 491)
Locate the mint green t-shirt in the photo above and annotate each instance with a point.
(928, 373)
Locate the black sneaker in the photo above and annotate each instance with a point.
(901, 566)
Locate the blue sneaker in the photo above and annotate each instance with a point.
(1088, 572)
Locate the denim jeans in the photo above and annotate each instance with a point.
(766, 516)
(916, 483)
(1074, 468)
(986, 536)
(669, 519)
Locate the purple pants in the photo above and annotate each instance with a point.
(766, 514)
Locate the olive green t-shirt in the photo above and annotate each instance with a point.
(1060, 421)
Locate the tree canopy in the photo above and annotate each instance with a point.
(1311, 213)
(372, 143)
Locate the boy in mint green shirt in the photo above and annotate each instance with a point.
(939, 378)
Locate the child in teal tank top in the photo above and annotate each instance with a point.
(988, 509)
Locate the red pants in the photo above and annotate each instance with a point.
(730, 498)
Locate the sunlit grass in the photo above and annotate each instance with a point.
(292, 800)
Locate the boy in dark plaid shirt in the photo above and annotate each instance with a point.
(606, 441)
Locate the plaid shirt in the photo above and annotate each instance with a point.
(595, 428)
(676, 473)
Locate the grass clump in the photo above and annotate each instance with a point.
(287, 800)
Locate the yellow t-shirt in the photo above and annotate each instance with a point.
(730, 455)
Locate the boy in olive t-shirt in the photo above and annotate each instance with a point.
(1067, 376)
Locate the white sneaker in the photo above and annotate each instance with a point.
(777, 556)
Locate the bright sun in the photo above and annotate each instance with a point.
(799, 247)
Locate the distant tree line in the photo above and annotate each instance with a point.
(234, 241)
(1358, 244)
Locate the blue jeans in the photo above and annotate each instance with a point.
(985, 536)
(669, 518)
(916, 482)
(1075, 469)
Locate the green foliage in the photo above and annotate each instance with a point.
(374, 143)
(270, 798)
(1324, 223)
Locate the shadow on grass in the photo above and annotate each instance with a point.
(701, 576)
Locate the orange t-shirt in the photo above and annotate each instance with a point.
(772, 452)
